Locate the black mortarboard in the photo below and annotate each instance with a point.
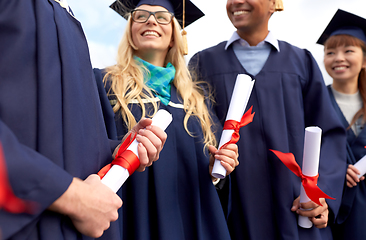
(192, 13)
(344, 23)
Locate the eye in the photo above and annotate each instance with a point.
(141, 15)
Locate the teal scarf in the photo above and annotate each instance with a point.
(159, 79)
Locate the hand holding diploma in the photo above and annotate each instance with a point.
(317, 214)
(127, 159)
(355, 173)
(235, 118)
(309, 173)
(228, 157)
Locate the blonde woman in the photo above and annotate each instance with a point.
(175, 198)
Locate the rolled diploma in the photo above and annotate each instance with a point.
(239, 100)
(310, 165)
(117, 175)
(361, 166)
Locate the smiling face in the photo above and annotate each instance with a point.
(344, 62)
(250, 16)
(151, 38)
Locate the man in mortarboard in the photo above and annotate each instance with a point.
(51, 127)
(289, 95)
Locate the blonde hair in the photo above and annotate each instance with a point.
(126, 79)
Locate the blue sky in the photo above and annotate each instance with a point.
(300, 24)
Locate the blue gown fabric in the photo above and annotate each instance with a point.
(51, 124)
(289, 94)
(351, 217)
(174, 198)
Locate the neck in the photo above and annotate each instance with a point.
(155, 58)
(346, 87)
(253, 37)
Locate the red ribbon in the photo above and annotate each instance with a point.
(8, 201)
(235, 125)
(309, 183)
(124, 158)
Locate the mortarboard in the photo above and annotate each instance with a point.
(344, 23)
(184, 11)
(191, 12)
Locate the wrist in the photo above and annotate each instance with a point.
(66, 204)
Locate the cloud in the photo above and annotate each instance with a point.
(300, 24)
(102, 55)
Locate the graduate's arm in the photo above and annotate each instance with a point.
(318, 111)
(32, 177)
(90, 204)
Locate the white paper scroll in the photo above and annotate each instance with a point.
(310, 165)
(361, 166)
(117, 175)
(239, 100)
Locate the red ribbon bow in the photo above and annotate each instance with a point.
(124, 158)
(8, 201)
(235, 125)
(309, 183)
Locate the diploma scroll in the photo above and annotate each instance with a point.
(310, 165)
(361, 166)
(239, 100)
(117, 175)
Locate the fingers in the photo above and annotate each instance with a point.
(317, 214)
(295, 204)
(151, 141)
(143, 123)
(351, 176)
(228, 156)
(312, 210)
(90, 204)
(321, 220)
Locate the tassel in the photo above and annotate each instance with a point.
(185, 42)
(184, 33)
(279, 5)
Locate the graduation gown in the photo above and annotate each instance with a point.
(174, 198)
(51, 124)
(352, 213)
(289, 94)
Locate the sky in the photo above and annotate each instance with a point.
(301, 24)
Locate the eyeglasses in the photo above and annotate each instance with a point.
(141, 16)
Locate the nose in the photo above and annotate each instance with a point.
(339, 57)
(152, 20)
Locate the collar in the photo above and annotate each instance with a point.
(271, 39)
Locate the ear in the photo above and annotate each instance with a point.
(272, 6)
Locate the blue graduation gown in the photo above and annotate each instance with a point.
(51, 124)
(350, 222)
(174, 198)
(289, 94)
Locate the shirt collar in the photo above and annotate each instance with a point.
(271, 39)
